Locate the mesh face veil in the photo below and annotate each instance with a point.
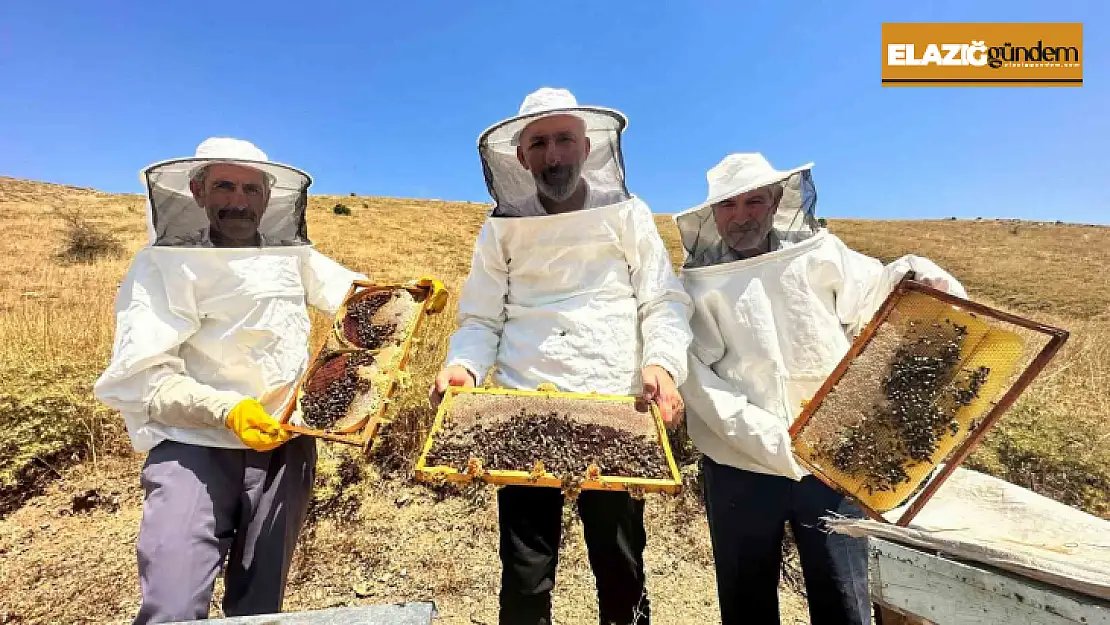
(794, 218)
(229, 191)
(512, 185)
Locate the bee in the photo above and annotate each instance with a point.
(923, 391)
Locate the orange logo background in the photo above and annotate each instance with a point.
(983, 54)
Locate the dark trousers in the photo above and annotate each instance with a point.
(205, 505)
(530, 520)
(747, 517)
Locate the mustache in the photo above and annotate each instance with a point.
(743, 228)
(235, 213)
(558, 173)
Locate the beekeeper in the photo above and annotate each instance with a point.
(570, 284)
(777, 302)
(211, 337)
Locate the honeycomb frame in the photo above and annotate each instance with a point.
(976, 418)
(589, 480)
(391, 360)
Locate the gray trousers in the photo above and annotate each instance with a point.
(204, 505)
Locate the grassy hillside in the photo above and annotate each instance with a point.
(69, 495)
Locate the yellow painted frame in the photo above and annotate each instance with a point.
(525, 478)
(362, 288)
(363, 432)
(1056, 337)
(995, 347)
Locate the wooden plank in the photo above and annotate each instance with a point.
(886, 615)
(949, 592)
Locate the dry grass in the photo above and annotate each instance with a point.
(376, 537)
(86, 241)
(1056, 440)
(1036, 268)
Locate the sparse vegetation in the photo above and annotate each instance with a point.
(86, 241)
(56, 326)
(48, 421)
(341, 209)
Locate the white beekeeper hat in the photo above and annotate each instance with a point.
(547, 102)
(175, 216)
(509, 183)
(740, 173)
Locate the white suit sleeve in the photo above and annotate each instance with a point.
(481, 308)
(146, 376)
(327, 282)
(664, 307)
(758, 435)
(866, 284)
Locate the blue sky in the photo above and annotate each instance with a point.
(387, 98)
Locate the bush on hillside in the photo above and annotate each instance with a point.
(85, 241)
(341, 209)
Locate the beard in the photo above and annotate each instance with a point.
(748, 235)
(559, 182)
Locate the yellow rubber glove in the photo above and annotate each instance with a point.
(437, 298)
(257, 429)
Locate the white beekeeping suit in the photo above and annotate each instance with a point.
(201, 328)
(770, 328)
(582, 299)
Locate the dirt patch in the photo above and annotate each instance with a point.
(48, 423)
(374, 541)
(62, 566)
(95, 499)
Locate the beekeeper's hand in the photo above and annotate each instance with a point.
(257, 429)
(455, 375)
(939, 284)
(659, 387)
(437, 293)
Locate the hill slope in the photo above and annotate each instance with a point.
(69, 496)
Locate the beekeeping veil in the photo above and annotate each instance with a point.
(794, 219)
(513, 187)
(176, 220)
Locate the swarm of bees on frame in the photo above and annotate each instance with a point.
(547, 442)
(332, 388)
(377, 320)
(922, 392)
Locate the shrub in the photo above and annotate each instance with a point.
(85, 241)
(341, 209)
